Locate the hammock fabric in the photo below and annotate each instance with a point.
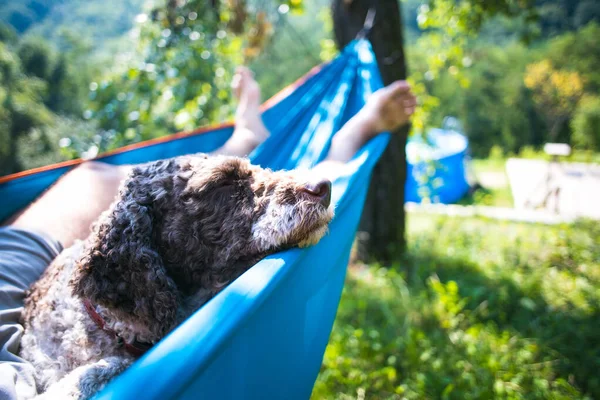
(265, 334)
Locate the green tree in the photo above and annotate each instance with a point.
(448, 25)
(21, 107)
(179, 76)
(555, 92)
(35, 56)
(36, 85)
(300, 41)
(586, 12)
(586, 124)
(481, 80)
(578, 52)
(556, 17)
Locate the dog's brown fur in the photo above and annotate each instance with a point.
(179, 231)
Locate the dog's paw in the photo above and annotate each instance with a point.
(87, 380)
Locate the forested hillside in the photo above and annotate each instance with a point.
(98, 22)
(512, 93)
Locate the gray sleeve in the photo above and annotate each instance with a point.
(24, 255)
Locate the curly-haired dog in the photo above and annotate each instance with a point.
(179, 231)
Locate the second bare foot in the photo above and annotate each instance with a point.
(248, 121)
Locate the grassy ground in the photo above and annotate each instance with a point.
(496, 197)
(480, 309)
(494, 190)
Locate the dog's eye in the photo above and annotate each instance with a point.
(288, 197)
(260, 191)
(186, 197)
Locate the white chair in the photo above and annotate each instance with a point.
(550, 185)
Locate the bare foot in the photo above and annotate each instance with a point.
(248, 122)
(389, 108)
(386, 110)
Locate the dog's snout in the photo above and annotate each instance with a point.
(320, 189)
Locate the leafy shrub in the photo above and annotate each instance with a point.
(586, 124)
(482, 309)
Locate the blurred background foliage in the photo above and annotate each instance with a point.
(97, 77)
(489, 310)
(102, 77)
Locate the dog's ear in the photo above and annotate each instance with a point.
(120, 268)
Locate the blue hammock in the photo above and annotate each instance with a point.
(265, 334)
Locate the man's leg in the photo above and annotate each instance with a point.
(67, 210)
(250, 130)
(24, 255)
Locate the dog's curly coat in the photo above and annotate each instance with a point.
(179, 231)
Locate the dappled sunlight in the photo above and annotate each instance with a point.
(484, 308)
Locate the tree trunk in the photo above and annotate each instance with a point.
(381, 233)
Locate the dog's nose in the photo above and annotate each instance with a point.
(320, 189)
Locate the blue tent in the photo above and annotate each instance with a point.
(436, 167)
(265, 334)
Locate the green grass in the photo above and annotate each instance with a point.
(480, 309)
(489, 164)
(497, 197)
